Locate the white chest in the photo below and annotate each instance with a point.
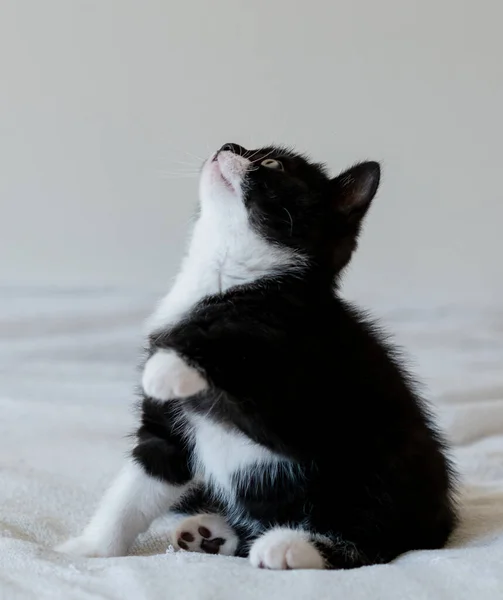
(219, 258)
(222, 455)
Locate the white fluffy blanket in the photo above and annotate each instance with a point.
(67, 370)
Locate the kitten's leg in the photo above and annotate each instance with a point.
(209, 533)
(197, 524)
(158, 475)
(285, 548)
(129, 506)
(166, 375)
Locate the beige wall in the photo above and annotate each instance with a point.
(100, 99)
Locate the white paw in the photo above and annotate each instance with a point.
(86, 546)
(206, 533)
(167, 376)
(284, 548)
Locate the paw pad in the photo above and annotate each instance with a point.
(207, 543)
(206, 533)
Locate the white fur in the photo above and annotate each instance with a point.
(129, 506)
(284, 548)
(167, 376)
(223, 458)
(220, 453)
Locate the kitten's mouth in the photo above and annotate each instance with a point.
(215, 163)
(227, 170)
(227, 183)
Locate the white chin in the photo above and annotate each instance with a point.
(214, 183)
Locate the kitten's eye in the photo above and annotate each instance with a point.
(272, 163)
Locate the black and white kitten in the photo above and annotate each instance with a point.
(277, 424)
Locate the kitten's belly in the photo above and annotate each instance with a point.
(222, 456)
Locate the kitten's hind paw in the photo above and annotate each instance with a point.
(285, 548)
(206, 533)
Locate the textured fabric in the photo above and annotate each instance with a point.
(67, 371)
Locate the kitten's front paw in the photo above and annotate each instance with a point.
(86, 546)
(284, 548)
(167, 376)
(206, 533)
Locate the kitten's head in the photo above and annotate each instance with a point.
(289, 201)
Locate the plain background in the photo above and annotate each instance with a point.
(104, 102)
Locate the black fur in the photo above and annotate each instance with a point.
(302, 372)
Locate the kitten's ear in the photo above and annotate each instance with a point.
(355, 188)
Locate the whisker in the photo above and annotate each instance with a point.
(253, 154)
(198, 158)
(181, 171)
(166, 175)
(183, 162)
(264, 157)
(291, 220)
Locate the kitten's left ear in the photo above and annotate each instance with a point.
(355, 188)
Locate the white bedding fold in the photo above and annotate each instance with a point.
(67, 371)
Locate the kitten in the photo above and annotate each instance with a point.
(277, 423)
